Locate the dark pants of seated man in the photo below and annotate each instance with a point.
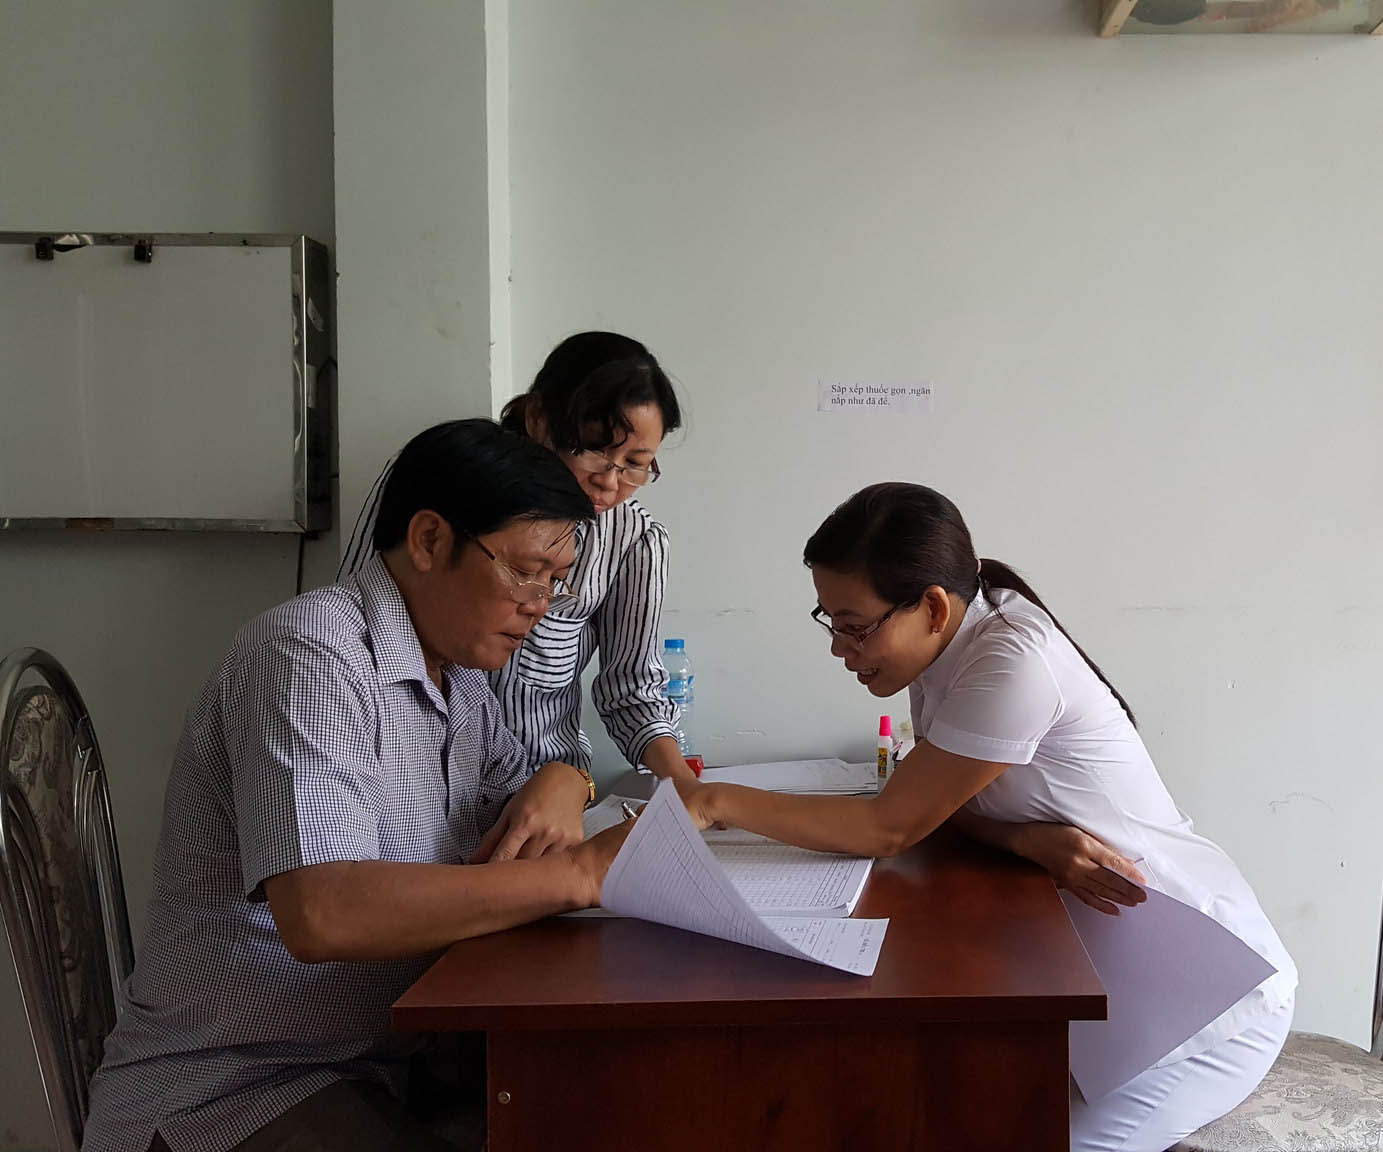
(344, 1117)
(445, 1110)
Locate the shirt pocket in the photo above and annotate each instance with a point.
(551, 651)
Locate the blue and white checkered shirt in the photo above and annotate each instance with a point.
(319, 738)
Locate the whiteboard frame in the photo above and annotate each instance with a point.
(314, 408)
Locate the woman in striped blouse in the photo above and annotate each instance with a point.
(603, 404)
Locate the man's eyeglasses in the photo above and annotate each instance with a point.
(522, 590)
(594, 463)
(851, 635)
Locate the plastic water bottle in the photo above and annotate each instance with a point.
(679, 690)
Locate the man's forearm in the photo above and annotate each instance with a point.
(383, 910)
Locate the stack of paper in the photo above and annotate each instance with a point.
(827, 777)
(665, 872)
(773, 879)
(780, 880)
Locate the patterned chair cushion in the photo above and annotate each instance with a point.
(1322, 1095)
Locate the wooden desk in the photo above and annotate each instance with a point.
(618, 1034)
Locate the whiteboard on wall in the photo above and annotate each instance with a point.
(179, 391)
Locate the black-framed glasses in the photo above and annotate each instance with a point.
(594, 463)
(522, 590)
(855, 636)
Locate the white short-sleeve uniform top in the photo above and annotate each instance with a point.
(1011, 689)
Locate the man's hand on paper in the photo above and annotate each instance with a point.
(593, 858)
(544, 815)
(1084, 866)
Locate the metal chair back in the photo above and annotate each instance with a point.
(1376, 1048)
(62, 895)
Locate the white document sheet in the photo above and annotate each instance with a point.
(781, 880)
(827, 776)
(775, 879)
(666, 873)
(1168, 970)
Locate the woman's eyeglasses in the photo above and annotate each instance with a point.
(855, 636)
(594, 463)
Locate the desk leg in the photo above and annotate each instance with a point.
(836, 1088)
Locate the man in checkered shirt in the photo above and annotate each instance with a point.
(340, 766)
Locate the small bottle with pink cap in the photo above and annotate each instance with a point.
(885, 748)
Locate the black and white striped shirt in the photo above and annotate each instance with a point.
(619, 576)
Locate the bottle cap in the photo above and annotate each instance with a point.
(886, 726)
(674, 645)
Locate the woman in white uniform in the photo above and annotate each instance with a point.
(1023, 743)
(603, 404)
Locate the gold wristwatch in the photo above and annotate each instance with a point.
(590, 786)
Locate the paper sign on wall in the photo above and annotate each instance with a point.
(849, 396)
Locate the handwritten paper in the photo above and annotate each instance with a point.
(782, 880)
(667, 874)
(853, 396)
(774, 879)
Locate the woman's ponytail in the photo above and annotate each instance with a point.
(994, 574)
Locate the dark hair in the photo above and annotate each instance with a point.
(477, 477)
(594, 378)
(905, 538)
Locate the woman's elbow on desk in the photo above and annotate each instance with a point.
(890, 842)
(897, 830)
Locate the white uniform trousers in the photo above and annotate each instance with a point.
(1161, 1106)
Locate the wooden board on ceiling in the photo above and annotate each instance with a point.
(1115, 14)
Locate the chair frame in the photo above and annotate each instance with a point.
(31, 931)
(1376, 1045)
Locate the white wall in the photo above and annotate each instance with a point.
(412, 226)
(1141, 275)
(1144, 278)
(161, 115)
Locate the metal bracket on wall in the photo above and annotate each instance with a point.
(46, 247)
